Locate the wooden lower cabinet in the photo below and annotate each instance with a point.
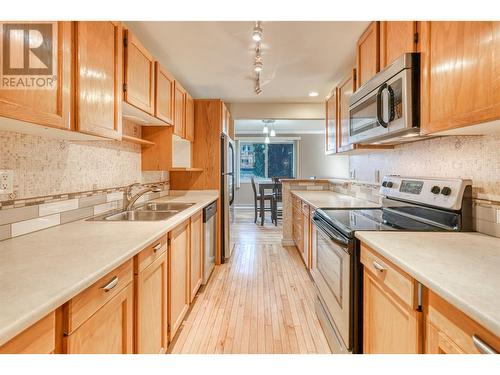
(178, 271)
(151, 319)
(109, 330)
(196, 254)
(306, 229)
(392, 323)
(40, 338)
(450, 331)
(389, 326)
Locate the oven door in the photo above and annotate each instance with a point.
(387, 109)
(331, 271)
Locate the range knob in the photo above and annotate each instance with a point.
(435, 189)
(446, 190)
(389, 184)
(384, 184)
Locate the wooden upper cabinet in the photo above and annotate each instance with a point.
(344, 92)
(179, 110)
(49, 106)
(189, 131)
(368, 62)
(164, 105)
(139, 74)
(396, 38)
(98, 78)
(460, 63)
(331, 123)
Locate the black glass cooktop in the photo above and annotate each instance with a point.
(348, 221)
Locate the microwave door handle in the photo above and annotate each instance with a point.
(380, 120)
(391, 103)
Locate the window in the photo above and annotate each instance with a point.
(265, 161)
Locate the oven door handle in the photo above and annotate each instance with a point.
(333, 236)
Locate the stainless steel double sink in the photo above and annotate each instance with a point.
(147, 212)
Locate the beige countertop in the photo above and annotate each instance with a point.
(318, 199)
(41, 271)
(462, 268)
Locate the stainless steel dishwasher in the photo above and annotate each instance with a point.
(210, 239)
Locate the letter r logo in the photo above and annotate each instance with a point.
(27, 49)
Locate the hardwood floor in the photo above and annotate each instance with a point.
(261, 301)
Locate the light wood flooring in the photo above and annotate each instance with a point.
(261, 301)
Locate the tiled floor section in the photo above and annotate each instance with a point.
(262, 301)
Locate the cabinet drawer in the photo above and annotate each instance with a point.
(84, 305)
(37, 339)
(455, 332)
(150, 254)
(398, 282)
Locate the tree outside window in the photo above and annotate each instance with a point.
(265, 161)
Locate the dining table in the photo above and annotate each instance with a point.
(263, 186)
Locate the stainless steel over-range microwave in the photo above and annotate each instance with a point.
(386, 109)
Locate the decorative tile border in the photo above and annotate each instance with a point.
(24, 216)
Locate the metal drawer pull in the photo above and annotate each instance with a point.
(482, 346)
(378, 266)
(157, 247)
(111, 284)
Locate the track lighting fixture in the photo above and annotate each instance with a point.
(257, 32)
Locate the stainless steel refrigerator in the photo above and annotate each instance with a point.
(227, 194)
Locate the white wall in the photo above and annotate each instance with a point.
(314, 162)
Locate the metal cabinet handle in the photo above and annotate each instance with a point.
(483, 347)
(157, 247)
(378, 266)
(111, 284)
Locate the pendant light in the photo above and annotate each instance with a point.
(267, 140)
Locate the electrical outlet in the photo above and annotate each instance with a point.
(377, 176)
(352, 174)
(6, 182)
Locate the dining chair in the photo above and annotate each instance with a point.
(277, 198)
(256, 199)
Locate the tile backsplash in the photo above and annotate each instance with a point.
(471, 157)
(45, 166)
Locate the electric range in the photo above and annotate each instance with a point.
(408, 204)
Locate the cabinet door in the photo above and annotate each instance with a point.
(331, 123)
(180, 110)
(368, 54)
(345, 90)
(306, 239)
(189, 133)
(151, 313)
(439, 343)
(224, 118)
(396, 38)
(109, 330)
(460, 70)
(139, 75)
(178, 272)
(196, 260)
(230, 124)
(98, 78)
(49, 106)
(389, 326)
(164, 106)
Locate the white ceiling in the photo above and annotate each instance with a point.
(214, 59)
(281, 126)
